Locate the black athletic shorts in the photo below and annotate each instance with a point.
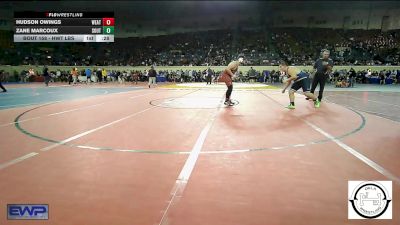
(304, 84)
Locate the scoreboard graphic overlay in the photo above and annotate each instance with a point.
(64, 26)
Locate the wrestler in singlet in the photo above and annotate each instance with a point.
(227, 77)
(300, 79)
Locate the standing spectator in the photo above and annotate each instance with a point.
(393, 77)
(368, 75)
(1, 79)
(274, 75)
(352, 77)
(173, 76)
(88, 73)
(46, 75)
(152, 76)
(146, 75)
(190, 75)
(398, 76)
(209, 74)
(251, 74)
(387, 76)
(99, 75)
(265, 76)
(179, 75)
(382, 77)
(104, 75)
(74, 74)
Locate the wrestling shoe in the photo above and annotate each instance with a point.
(229, 103)
(317, 103)
(290, 106)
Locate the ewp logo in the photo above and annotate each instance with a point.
(28, 212)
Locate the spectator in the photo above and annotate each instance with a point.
(74, 74)
(88, 73)
(104, 75)
(46, 75)
(1, 79)
(152, 74)
(352, 77)
(382, 77)
(265, 76)
(209, 75)
(99, 75)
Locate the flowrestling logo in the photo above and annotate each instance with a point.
(27, 211)
(370, 200)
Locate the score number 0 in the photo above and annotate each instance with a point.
(108, 21)
(108, 25)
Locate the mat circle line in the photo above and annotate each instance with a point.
(22, 130)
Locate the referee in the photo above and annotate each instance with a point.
(323, 66)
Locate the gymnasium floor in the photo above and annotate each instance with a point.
(112, 154)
